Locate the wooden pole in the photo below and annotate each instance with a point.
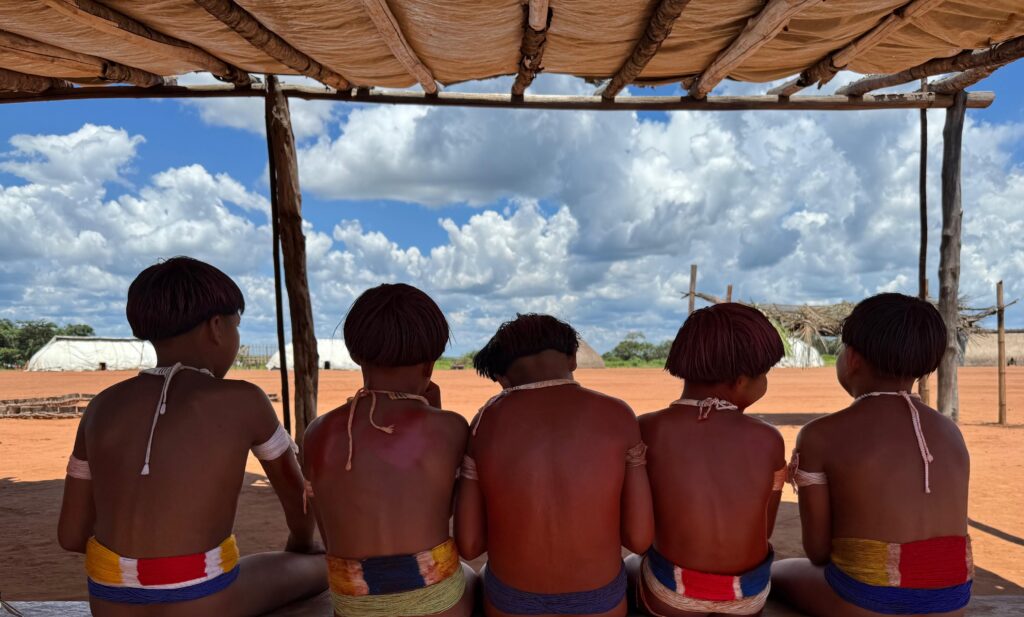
(693, 287)
(922, 259)
(286, 403)
(728, 293)
(1001, 342)
(281, 143)
(949, 254)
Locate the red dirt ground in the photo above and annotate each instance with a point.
(33, 454)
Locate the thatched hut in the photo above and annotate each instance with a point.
(587, 357)
(982, 349)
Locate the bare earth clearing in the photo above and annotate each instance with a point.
(33, 454)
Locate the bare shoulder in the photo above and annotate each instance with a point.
(453, 426)
(608, 403)
(765, 430)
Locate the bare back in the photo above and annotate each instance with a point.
(551, 466)
(711, 482)
(397, 498)
(876, 473)
(187, 503)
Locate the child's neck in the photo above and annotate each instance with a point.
(406, 379)
(169, 355)
(701, 391)
(881, 384)
(547, 365)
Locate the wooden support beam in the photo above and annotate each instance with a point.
(949, 255)
(922, 255)
(275, 228)
(825, 69)
(288, 197)
(389, 29)
(100, 69)
(265, 40)
(23, 83)
(728, 293)
(912, 100)
(997, 55)
(1001, 349)
(117, 24)
(531, 50)
(658, 29)
(758, 31)
(963, 80)
(693, 288)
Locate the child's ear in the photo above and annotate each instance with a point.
(428, 370)
(504, 382)
(215, 325)
(572, 364)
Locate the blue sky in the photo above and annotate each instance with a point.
(594, 217)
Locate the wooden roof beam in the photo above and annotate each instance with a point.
(389, 29)
(758, 31)
(267, 41)
(994, 56)
(963, 80)
(911, 100)
(658, 29)
(531, 50)
(825, 69)
(23, 83)
(117, 24)
(101, 69)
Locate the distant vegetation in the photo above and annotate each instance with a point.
(447, 363)
(20, 339)
(635, 351)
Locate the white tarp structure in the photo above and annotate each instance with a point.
(91, 353)
(333, 356)
(801, 355)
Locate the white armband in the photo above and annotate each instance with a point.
(279, 443)
(77, 468)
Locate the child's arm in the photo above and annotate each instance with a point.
(285, 477)
(78, 511)
(815, 509)
(637, 508)
(470, 510)
(779, 458)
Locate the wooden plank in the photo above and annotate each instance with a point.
(264, 39)
(693, 288)
(997, 55)
(912, 100)
(1001, 345)
(117, 24)
(949, 254)
(77, 63)
(922, 256)
(281, 145)
(728, 293)
(758, 31)
(531, 50)
(23, 83)
(391, 31)
(963, 80)
(825, 69)
(658, 29)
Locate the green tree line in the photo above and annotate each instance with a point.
(20, 339)
(636, 350)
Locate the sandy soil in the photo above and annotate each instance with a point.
(33, 454)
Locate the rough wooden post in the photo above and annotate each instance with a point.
(922, 259)
(693, 288)
(1001, 342)
(728, 293)
(288, 200)
(949, 254)
(286, 403)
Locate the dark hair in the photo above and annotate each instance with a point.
(721, 342)
(900, 336)
(395, 325)
(172, 297)
(525, 335)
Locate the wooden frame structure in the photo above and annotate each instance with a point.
(115, 41)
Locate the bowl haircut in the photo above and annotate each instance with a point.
(722, 342)
(172, 297)
(900, 336)
(395, 325)
(526, 335)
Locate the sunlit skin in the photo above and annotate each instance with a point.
(397, 498)
(187, 504)
(711, 482)
(555, 501)
(875, 483)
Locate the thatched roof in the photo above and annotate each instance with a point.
(349, 44)
(587, 356)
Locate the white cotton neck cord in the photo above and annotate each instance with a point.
(704, 406)
(364, 392)
(915, 418)
(168, 373)
(537, 385)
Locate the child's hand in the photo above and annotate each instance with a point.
(433, 395)
(311, 546)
